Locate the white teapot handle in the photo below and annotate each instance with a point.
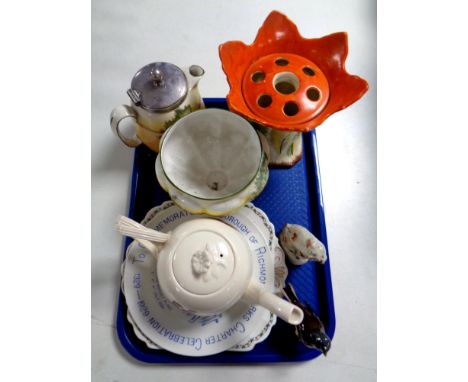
(120, 113)
(144, 235)
(151, 247)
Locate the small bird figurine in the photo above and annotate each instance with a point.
(310, 331)
(301, 245)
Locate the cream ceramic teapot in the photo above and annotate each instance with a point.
(204, 266)
(160, 94)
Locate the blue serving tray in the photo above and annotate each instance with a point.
(290, 196)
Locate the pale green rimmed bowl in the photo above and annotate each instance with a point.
(212, 162)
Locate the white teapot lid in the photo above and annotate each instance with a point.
(205, 266)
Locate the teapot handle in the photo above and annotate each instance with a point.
(118, 114)
(151, 247)
(285, 310)
(147, 237)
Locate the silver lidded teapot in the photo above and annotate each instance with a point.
(160, 94)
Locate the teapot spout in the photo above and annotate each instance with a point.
(285, 310)
(194, 73)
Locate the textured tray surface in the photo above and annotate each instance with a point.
(291, 196)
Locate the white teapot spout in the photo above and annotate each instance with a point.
(256, 294)
(193, 73)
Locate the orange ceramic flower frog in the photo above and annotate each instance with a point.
(287, 84)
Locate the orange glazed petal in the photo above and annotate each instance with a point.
(286, 81)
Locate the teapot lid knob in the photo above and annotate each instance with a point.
(157, 76)
(203, 262)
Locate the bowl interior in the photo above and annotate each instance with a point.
(211, 154)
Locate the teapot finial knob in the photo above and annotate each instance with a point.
(201, 261)
(157, 77)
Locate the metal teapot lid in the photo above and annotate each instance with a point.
(158, 87)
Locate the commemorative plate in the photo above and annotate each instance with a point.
(161, 325)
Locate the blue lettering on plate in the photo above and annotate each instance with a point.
(159, 227)
(196, 343)
(137, 280)
(248, 315)
(236, 223)
(224, 335)
(253, 239)
(260, 251)
(205, 320)
(175, 216)
(261, 262)
(143, 308)
(140, 258)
